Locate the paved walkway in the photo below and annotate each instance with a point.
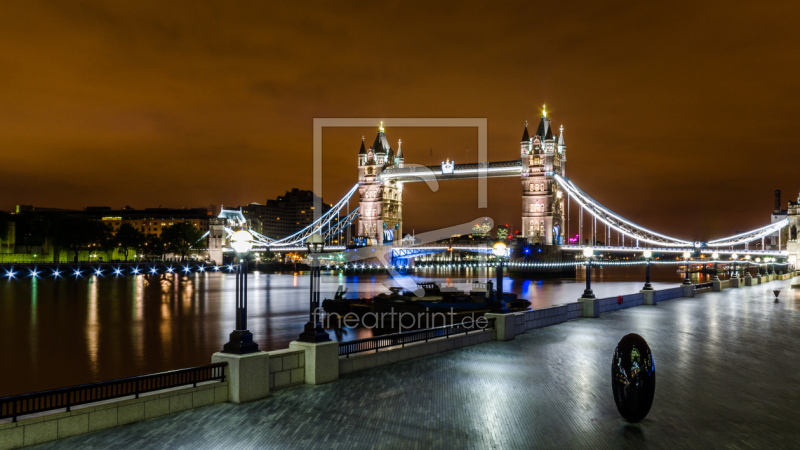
(728, 368)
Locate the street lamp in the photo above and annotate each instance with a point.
(735, 258)
(499, 250)
(686, 280)
(587, 253)
(313, 331)
(773, 266)
(715, 257)
(241, 340)
(647, 255)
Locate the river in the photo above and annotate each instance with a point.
(69, 331)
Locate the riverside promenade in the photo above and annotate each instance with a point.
(728, 371)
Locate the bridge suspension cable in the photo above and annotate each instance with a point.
(749, 236)
(327, 225)
(615, 221)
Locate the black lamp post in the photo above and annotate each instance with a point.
(647, 286)
(587, 253)
(241, 339)
(313, 331)
(499, 252)
(686, 280)
(735, 258)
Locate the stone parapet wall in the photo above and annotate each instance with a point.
(45, 427)
(411, 351)
(286, 368)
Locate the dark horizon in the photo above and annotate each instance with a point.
(676, 118)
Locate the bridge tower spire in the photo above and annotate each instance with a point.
(542, 199)
(381, 202)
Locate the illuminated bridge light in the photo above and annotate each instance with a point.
(153, 270)
(56, 273)
(10, 274)
(136, 271)
(201, 269)
(186, 269)
(230, 268)
(169, 269)
(34, 273)
(117, 271)
(77, 273)
(216, 268)
(98, 272)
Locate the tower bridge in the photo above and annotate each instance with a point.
(546, 197)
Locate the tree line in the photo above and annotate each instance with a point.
(75, 234)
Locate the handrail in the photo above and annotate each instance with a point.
(36, 402)
(408, 337)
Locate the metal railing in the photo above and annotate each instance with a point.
(709, 285)
(408, 337)
(66, 398)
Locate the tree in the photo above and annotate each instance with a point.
(31, 230)
(79, 233)
(181, 237)
(154, 245)
(129, 238)
(4, 220)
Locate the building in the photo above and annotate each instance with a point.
(543, 155)
(381, 202)
(285, 215)
(150, 221)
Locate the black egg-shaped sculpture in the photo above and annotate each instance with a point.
(633, 377)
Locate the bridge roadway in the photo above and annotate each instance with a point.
(728, 367)
(569, 248)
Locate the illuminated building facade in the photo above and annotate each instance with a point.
(543, 155)
(381, 201)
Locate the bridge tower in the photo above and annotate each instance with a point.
(381, 202)
(543, 155)
(793, 243)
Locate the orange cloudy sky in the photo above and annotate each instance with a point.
(681, 117)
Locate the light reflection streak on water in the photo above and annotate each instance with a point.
(93, 326)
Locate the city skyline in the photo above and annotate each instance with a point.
(662, 114)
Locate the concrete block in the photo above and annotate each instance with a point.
(322, 361)
(736, 282)
(369, 361)
(130, 413)
(156, 408)
(105, 418)
(716, 285)
(221, 393)
(688, 290)
(414, 351)
(40, 432)
(182, 402)
(11, 438)
(301, 359)
(346, 366)
(290, 362)
(381, 359)
(392, 357)
(275, 365)
(271, 380)
(504, 324)
(282, 378)
(358, 364)
(591, 307)
(298, 375)
(248, 375)
(73, 426)
(202, 398)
